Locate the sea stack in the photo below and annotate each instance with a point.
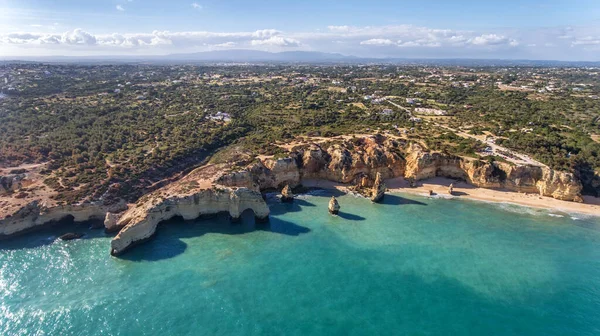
(334, 206)
(378, 190)
(451, 189)
(286, 194)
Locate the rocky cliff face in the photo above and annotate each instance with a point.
(140, 222)
(268, 174)
(347, 161)
(359, 161)
(213, 188)
(35, 214)
(564, 186)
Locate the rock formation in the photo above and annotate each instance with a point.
(286, 194)
(140, 222)
(71, 236)
(364, 162)
(378, 190)
(35, 214)
(358, 161)
(110, 222)
(422, 164)
(334, 206)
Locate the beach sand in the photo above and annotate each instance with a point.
(439, 185)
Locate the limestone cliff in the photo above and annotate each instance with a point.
(358, 161)
(355, 161)
(364, 162)
(422, 164)
(267, 174)
(345, 162)
(35, 214)
(195, 195)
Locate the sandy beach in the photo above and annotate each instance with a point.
(439, 185)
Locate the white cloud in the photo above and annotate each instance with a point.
(586, 41)
(276, 41)
(493, 40)
(266, 33)
(371, 41)
(378, 42)
(78, 36)
(265, 37)
(120, 8)
(197, 6)
(339, 29)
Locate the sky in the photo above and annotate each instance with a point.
(509, 29)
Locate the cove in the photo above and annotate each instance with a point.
(409, 266)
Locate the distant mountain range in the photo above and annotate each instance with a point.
(308, 57)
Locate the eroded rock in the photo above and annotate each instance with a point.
(71, 236)
(378, 190)
(287, 196)
(139, 223)
(334, 206)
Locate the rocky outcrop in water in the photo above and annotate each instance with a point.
(71, 236)
(334, 206)
(378, 190)
(286, 194)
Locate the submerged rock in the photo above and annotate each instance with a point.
(334, 206)
(71, 236)
(286, 194)
(378, 190)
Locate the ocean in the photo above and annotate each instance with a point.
(410, 266)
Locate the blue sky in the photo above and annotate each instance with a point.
(533, 29)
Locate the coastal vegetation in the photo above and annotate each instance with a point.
(120, 130)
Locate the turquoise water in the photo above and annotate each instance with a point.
(411, 266)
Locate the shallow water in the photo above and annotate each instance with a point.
(411, 266)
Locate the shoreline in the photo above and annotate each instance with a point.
(463, 190)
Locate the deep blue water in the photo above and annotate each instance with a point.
(411, 266)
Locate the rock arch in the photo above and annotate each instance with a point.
(140, 222)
